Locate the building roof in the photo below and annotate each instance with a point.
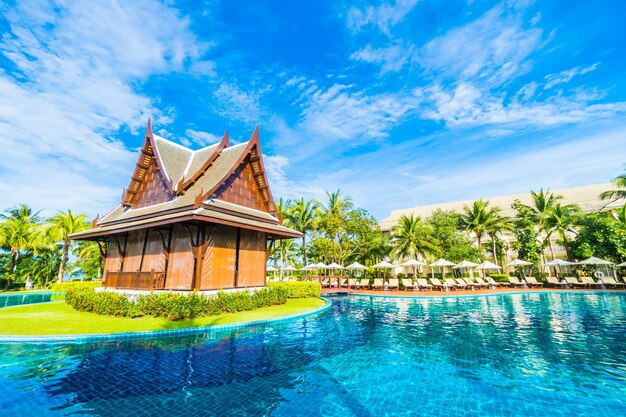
(587, 197)
(190, 180)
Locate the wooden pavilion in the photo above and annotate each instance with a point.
(191, 220)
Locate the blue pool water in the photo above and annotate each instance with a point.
(10, 300)
(513, 355)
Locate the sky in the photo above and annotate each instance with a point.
(395, 103)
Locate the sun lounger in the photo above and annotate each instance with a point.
(378, 283)
(532, 281)
(393, 283)
(515, 282)
(574, 282)
(554, 282)
(408, 284)
(462, 283)
(423, 284)
(590, 282)
(453, 284)
(437, 284)
(476, 283)
(611, 283)
(482, 282)
(495, 283)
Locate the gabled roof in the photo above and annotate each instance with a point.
(192, 179)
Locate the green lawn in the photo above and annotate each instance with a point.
(57, 318)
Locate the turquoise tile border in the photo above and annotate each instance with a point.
(495, 294)
(111, 337)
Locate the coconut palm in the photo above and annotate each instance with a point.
(476, 219)
(620, 214)
(282, 206)
(302, 216)
(543, 204)
(337, 204)
(60, 227)
(411, 238)
(496, 224)
(620, 183)
(561, 219)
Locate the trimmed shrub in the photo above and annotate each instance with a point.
(500, 277)
(300, 289)
(105, 303)
(173, 306)
(74, 285)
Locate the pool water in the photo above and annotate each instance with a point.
(542, 354)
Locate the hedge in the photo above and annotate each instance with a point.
(298, 289)
(500, 277)
(72, 285)
(173, 306)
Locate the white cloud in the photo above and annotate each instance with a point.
(384, 17)
(567, 75)
(71, 87)
(232, 102)
(391, 58)
(202, 138)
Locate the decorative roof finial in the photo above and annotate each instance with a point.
(149, 128)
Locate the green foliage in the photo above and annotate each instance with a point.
(527, 242)
(500, 277)
(602, 236)
(449, 242)
(411, 238)
(172, 306)
(74, 285)
(301, 289)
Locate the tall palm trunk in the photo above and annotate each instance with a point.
(493, 246)
(304, 248)
(566, 246)
(66, 247)
(281, 261)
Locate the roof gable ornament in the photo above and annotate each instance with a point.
(188, 180)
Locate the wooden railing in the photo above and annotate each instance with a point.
(151, 280)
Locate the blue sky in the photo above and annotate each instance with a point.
(397, 103)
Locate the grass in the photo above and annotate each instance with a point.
(57, 318)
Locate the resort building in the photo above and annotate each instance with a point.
(586, 197)
(191, 220)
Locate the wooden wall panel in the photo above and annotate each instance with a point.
(241, 188)
(218, 266)
(134, 248)
(154, 257)
(113, 260)
(180, 265)
(152, 189)
(251, 259)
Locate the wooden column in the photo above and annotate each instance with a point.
(237, 247)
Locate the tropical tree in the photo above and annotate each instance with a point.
(619, 214)
(561, 219)
(60, 227)
(620, 183)
(527, 240)
(481, 219)
(302, 217)
(21, 232)
(411, 238)
(448, 240)
(337, 204)
(543, 204)
(496, 224)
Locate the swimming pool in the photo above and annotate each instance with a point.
(508, 355)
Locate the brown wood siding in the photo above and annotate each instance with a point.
(180, 265)
(134, 248)
(113, 259)
(241, 188)
(152, 189)
(154, 257)
(218, 266)
(251, 259)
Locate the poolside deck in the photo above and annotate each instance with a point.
(431, 293)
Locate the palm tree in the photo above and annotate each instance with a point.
(496, 223)
(543, 204)
(336, 204)
(620, 214)
(302, 217)
(282, 206)
(562, 219)
(60, 227)
(21, 231)
(476, 219)
(619, 182)
(411, 238)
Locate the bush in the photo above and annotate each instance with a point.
(300, 289)
(173, 306)
(500, 277)
(74, 285)
(106, 303)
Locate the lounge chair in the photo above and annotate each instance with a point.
(378, 283)
(532, 282)
(437, 284)
(515, 282)
(611, 283)
(463, 283)
(482, 282)
(554, 282)
(476, 283)
(393, 283)
(491, 281)
(574, 282)
(407, 283)
(590, 282)
(453, 284)
(423, 284)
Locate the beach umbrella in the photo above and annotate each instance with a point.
(488, 265)
(558, 263)
(271, 269)
(593, 261)
(518, 263)
(467, 265)
(355, 266)
(384, 265)
(335, 265)
(413, 264)
(441, 263)
(289, 268)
